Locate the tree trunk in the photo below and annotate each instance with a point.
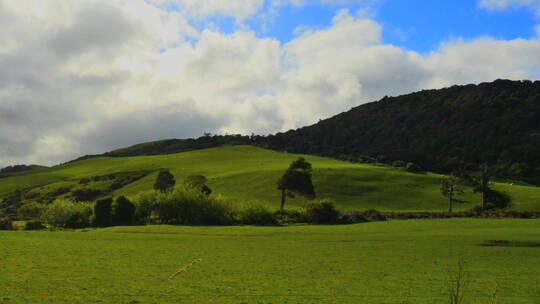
(450, 201)
(282, 199)
(485, 187)
(484, 201)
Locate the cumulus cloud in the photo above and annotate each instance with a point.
(82, 77)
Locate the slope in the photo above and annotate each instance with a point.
(248, 174)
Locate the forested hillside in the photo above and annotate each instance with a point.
(496, 123)
(441, 130)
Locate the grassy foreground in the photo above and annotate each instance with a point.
(247, 174)
(381, 262)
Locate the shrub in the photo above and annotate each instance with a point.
(352, 218)
(366, 159)
(321, 212)
(86, 194)
(398, 164)
(6, 224)
(31, 210)
(289, 217)
(123, 211)
(413, 168)
(257, 215)
(34, 225)
(373, 215)
(145, 204)
(82, 217)
(67, 214)
(58, 213)
(381, 158)
(103, 212)
(188, 206)
(59, 191)
(199, 182)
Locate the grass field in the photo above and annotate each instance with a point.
(247, 174)
(380, 262)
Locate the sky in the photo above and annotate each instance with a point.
(88, 76)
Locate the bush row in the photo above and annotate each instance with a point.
(181, 206)
(189, 206)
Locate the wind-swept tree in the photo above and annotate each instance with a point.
(164, 181)
(296, 179)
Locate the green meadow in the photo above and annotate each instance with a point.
(248, 175)
(392, 261)
(380, 262)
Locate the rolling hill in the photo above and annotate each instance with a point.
(497, 123)
(248, 174)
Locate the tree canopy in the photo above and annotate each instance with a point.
(164, 181)
(296, 179)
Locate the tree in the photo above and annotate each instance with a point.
(449, 188)
(103, 212)
(198, 182)
(482, 186)
(296, 179)
(164, 181)
(123, 211)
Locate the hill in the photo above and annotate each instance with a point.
(496, 123)
(247, 175)
(441, 130)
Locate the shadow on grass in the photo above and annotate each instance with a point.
(504, 243)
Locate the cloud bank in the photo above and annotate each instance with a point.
(83, 77)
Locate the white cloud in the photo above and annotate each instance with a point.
(240, 9)
(505, 4)
(89, 76)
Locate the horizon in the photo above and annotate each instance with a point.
(88, 77)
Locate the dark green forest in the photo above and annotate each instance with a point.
(460, 127)
(496, 123)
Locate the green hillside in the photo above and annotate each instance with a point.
(248, 174)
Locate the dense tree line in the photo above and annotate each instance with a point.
(496, 123)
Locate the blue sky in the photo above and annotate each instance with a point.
(418, 25)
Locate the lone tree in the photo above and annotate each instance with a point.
(296, 179)
(449, 188)
(165, 181)
(198, 182)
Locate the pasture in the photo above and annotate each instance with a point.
(248, 175)
(380, 262)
